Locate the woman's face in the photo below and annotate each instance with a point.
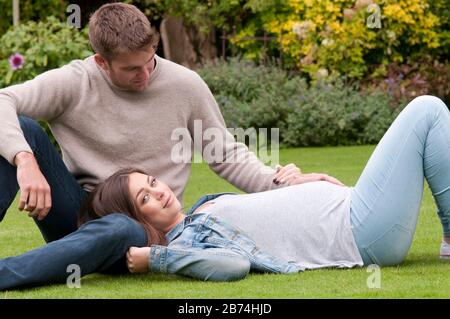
(154, 200)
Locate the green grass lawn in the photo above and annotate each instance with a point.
(422, 275)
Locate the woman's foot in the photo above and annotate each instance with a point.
(445, 250)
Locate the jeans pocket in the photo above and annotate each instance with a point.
(391, 247)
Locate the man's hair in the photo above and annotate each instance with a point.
(120, 28)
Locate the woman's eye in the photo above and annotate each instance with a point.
(145, 198)
(153, 183)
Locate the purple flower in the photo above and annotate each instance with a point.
(16, 61)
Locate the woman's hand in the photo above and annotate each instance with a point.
(137, 259)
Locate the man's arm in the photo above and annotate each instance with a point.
(44, 97)
(238, 165)
(35, 195)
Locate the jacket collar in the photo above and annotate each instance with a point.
(178, 229)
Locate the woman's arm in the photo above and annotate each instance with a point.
(214, 264)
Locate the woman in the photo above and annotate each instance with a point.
(225, 235)
(306, 226)
(313, 223)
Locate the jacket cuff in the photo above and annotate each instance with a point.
(157, 260)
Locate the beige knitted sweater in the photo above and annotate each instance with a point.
(102, 128)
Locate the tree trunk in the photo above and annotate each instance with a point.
(186, 45)
(16, 13)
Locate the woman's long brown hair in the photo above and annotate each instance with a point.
(113, 196)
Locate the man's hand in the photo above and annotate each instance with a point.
(137, 259)
(35, 195)
(286, 173)
(313, 177)
(291, 175)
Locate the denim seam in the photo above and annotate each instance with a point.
(163, 260)
(368, 249)
(396, 161)
(446, 232)
(186, 252)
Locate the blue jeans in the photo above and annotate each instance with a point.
(67, 195)
(98, 246)
(385, 202)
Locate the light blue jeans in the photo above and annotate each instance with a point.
(385, 202)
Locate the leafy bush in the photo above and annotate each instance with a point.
(408, 80)
(320, 114)
(332, 36)
(44, 45)
(338, 115)
(33, 10)
(251, 96)
(441, 8)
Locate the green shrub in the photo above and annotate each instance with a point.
(250, 95)
(45, 45)
(329, 38)
(333, 36)
(30, 10)
(411, 79)
(338, 115)
(441, 8)
(316, 115)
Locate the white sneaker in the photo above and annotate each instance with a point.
(445, 250)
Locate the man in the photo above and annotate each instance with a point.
(114, 109)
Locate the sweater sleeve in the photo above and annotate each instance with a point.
(228, 158)
(45, 97)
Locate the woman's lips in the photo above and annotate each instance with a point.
(169, 201)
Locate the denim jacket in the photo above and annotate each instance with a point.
(205, 247)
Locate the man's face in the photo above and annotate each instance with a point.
(130, 71)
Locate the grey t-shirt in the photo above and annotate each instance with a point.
(308, 224)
